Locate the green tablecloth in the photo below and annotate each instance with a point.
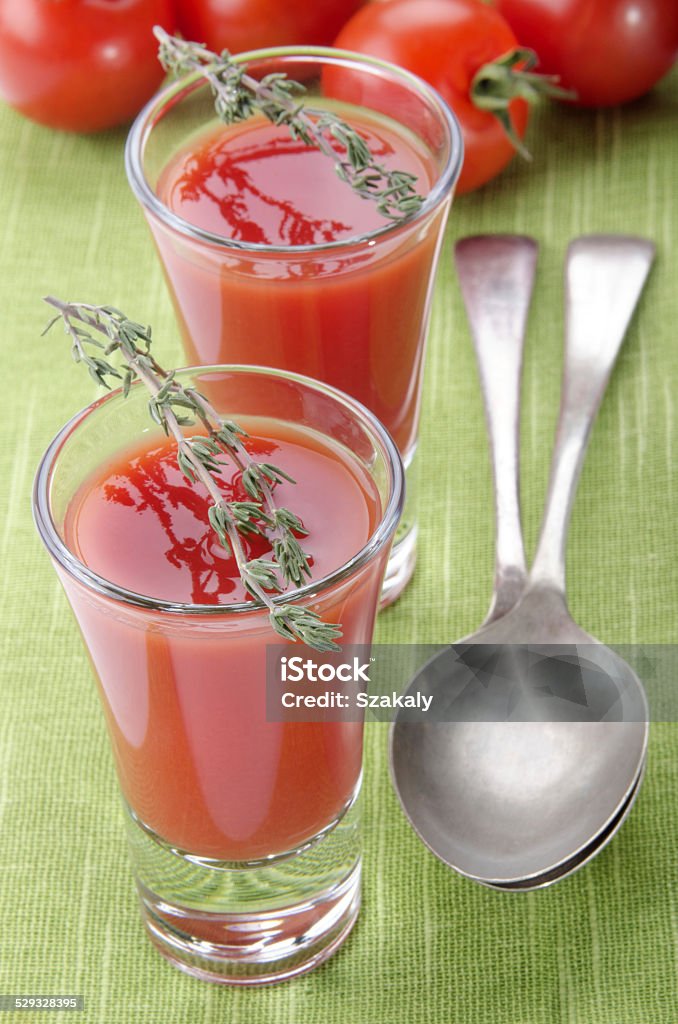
(429, 946)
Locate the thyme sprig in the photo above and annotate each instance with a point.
(200, 458)
(238, 95)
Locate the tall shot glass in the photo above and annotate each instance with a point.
(351, 312)
(244, 831)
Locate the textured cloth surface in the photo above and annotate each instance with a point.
(430, 946)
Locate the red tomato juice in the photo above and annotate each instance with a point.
(185, 701)
(353, 315)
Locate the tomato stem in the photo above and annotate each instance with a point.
(509, 77)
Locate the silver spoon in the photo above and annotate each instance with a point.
(510, 802)
(496, 275)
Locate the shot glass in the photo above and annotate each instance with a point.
(244, 831)
(353, 311)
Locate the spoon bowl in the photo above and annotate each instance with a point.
(568, 867)
(531, 756)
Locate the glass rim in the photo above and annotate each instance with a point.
(150, 114)
(61, 553)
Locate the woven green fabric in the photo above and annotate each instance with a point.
(429, 946)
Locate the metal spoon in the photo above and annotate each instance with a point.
(496, 275)
(512, 802)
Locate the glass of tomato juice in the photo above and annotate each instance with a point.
(271, 259)
(243, 825)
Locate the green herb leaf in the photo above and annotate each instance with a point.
(237, 96)
(199, 461)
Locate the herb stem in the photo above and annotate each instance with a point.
(197, 459)
(206, 479)
(279, 528)
(238, 95)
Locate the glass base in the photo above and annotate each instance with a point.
(401, 563)
(250, 923)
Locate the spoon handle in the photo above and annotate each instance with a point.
(604, 277)
(496, 274)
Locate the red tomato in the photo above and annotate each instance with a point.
(609, 51)
(239, 25)
(80, 64)
(446, 42)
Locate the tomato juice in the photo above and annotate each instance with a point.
(290, 268)
(185, 701)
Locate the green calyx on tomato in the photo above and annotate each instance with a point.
(468, 52)
(608, 51)
(496, 84)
